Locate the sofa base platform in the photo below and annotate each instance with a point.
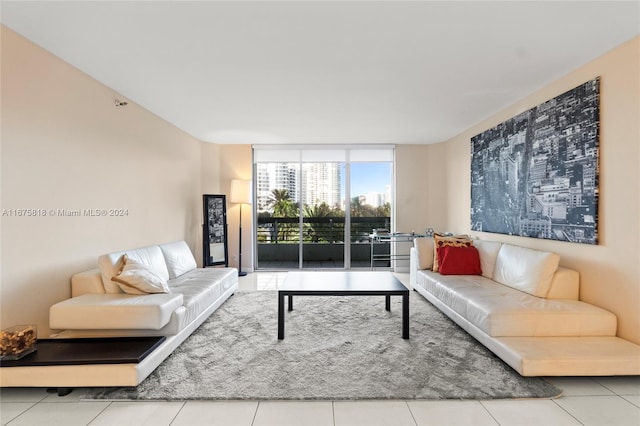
(111, 350)
(554, 356)
(104, 375)
(80, 371)
(572, 356)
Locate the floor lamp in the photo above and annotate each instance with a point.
(241, 194)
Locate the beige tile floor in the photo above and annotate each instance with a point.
(586, 401)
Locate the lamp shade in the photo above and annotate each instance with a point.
(240, 191)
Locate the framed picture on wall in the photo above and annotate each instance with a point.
(214, 233)
(536, 175)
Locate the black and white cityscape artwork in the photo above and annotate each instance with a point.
(536, 174)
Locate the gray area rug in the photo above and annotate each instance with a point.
(334, 348)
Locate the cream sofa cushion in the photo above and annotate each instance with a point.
(500, 310)
(197, 290)
(520, 314)
(178, 257)
(525, 269)
(114, 311)
(424, 252)
(488, 251)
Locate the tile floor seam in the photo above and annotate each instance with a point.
(634, 404)
(599, 396)
(567, 411)
(415, 422)
(99, 413)
(489, 412)
(255, 413)
(594, 393)
(178, 413)
(333, 412)
(606, 387)
(627, 401)
(46, 395)
(21, 414)
(33, 404)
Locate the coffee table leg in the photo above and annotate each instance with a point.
(290, 302)
(387, 302)
(405, 315)
(280, 316)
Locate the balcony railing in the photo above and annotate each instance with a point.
(322, 241)
(327, 230)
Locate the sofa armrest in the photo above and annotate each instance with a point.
(115, 311)
(564, 285)
(87, 282)
(413, 267)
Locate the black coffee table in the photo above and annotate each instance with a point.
(343, 283)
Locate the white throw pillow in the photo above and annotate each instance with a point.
(111, 264)
(136, 278)
(424, 252)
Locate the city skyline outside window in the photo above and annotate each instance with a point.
(319, 214)
(325, 182)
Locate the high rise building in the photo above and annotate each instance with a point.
(270, 176)
(321, 184)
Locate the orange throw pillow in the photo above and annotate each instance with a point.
(444, 241)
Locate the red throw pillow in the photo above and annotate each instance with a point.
(459, 260)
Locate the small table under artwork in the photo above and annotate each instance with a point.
(342, 283)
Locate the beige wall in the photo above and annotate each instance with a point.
(610, 271)
(221, 164)
(66, 146)
(419, 188)
(419, 198)
(210, 164)
(236, 163)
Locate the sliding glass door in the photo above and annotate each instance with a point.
(277, 213)
(307, 217)
(370, 185)
(322, 215)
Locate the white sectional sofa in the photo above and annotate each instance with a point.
(99, 308)
(526, 309)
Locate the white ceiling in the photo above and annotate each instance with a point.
(325, 72)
